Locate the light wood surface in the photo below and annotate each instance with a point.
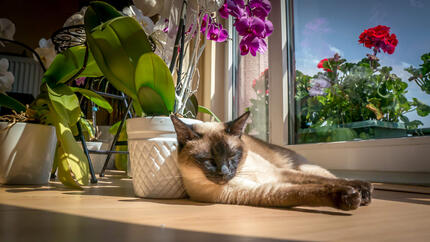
(110, 212)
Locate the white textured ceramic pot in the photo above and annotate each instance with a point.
(26, 153)
(153, 158)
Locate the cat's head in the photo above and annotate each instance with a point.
(215, 148)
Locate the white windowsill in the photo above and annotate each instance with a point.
(402, 160)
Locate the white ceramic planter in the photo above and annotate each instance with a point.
(26, 153)
(153, 158)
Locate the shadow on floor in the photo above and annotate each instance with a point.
(398, 196)
(22, 224)
(115, 184)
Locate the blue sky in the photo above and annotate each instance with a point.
(324, 27)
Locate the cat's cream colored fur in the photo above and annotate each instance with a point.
(267, 175)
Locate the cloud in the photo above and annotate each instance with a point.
(317, 25)
(405, 64)
(416, 3)
(335, 50)
(379, 15)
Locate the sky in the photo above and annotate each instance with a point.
(325, 27)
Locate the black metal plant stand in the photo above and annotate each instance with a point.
(73, 36)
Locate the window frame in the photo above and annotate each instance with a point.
(376, 160)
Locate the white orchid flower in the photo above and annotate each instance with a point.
(6, 77)
(7, 29)
(76, 19)
(143, 20)
(151, 7)
(46, 51)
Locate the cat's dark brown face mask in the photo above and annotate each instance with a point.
(215, 148)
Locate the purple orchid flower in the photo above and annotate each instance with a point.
(252, 44)
(217, 33)
(80, 81)
(251, 25)
(236, 8)
(223, 11)
(268, 28)
(260, 8)
(206, 20)
(318, 86)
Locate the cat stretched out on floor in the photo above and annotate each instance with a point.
(219, 164)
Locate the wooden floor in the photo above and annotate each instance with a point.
(110, 212)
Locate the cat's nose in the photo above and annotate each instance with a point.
(224, 170)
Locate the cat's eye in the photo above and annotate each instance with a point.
(232, 155)
(210, 165)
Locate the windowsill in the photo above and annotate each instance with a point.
(407, 157)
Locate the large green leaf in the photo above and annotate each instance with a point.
(94, 97)
(132, 37)
(69, 63)
(64, 172)
(207, 111)
(152, 72)
(99, 12)
(117, 46)
(11, 103)
(151, 102)
(65, 103)
(72, 163)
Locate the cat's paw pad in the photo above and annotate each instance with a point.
(365, 189)
(347, 198)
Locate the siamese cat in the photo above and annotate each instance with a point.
(220, 164)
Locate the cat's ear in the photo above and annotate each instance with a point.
(184, 132)
(236, 126)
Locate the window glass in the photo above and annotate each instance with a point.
(362, 69)
(253, 93)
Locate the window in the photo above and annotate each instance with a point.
(252, 92)
(308, 31)
(351, 90)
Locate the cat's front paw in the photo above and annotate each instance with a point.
(365, 189)
(346, 198)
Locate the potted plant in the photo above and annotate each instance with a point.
(124, 53)
(360, 100)
(58, 105)
(23, 134)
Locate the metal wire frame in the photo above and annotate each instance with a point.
(67, 37)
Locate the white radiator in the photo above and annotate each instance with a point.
(28, 74)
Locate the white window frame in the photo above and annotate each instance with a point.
(397, 160)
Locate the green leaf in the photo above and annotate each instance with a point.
(87, 129)
(94, 97)
(151, 102)
(422, 109)
(65, 103)
(69, 63)
(72, 163)
(152, 72)
(115, 127)
(99, 12)
(64, 173)
(132, 37)
(11, 103)
(117, 46)
(207, 111)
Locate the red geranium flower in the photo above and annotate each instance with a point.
(378, 38)
(321, 65)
